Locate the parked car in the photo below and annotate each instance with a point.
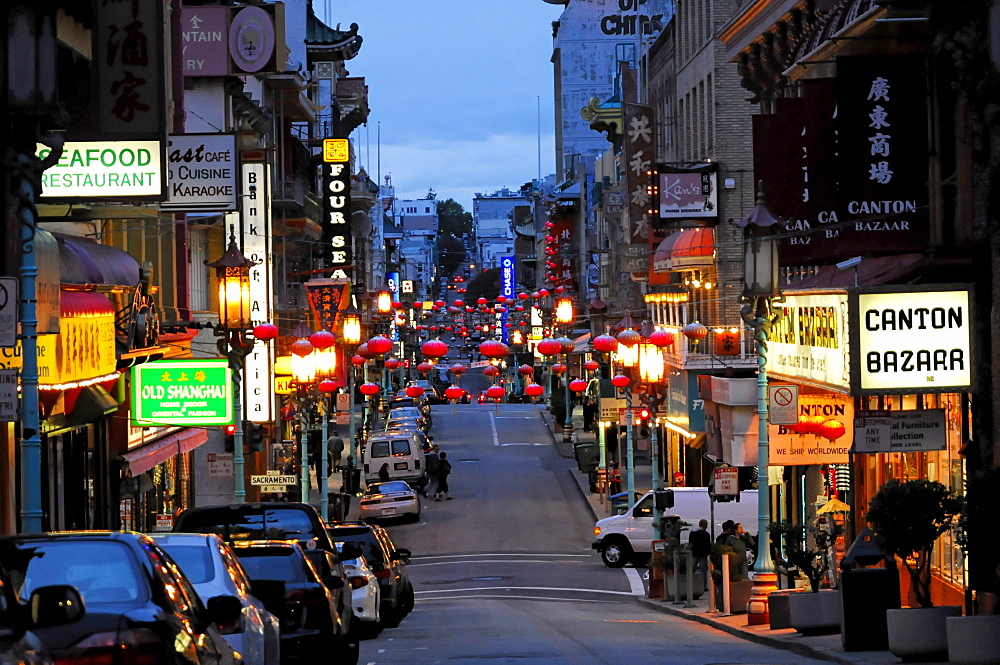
(312, 615)
(53, 605)
(300, 522)
(386, 561)
(389, 500)
(366, 596)
(139, 605)
(213, 569)
(431, 395)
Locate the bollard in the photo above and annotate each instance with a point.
(711, 587)
(725, 586)
(689, 569)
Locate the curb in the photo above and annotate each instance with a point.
(810, 651)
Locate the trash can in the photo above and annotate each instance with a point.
(338, 503)
(586, 456)
(866, 594)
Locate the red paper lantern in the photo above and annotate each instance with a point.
(523, 296)
(525, 370)
(578, 386)
(495, 392)
(695, 330)
(620, 381)
(379, 345)
(543, 292)
(457, 369)
(491, 371)
(322, 339)
(832, 429)
(453, 392)
(566, 344)
(327, 386)
(591, 365)
(629, 338)
(365, 352)
(534, 390)
(549, 347)
(434, 348)
(369, 389)
(392, 363)
(439, 303)
(301, 348)
(559, 369)
(265, 331)
(358, 360)
(397, 305)
(811, 424)
(501, 299)
(605, 344)
(414, 391)
(424, 368)
(661, 338)
(492, 348)
(481, 301)
(459, 303)
(536, 295)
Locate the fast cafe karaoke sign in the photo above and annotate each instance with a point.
(912, 341)
(338, 243)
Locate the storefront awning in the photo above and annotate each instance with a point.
(87, 262)
(145, 457)
(687, 249)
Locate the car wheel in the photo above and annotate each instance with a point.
(616, 554)
(408, 599)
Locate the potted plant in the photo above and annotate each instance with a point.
(807, 547)
(661, 564)
(975, 639)
(739, 586)
(907, 517)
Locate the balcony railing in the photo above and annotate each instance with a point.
(721, 348)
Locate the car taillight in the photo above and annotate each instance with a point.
(358, 581)
(306, 596)
(417, 464)
(138, 646)
(383, 574)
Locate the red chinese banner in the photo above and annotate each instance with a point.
(327, 297)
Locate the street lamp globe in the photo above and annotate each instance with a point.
(352, 325)
(564, 314)
(233, 273)
(383, 302)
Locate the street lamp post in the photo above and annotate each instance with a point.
(762, 287)
(624, 383)
(651, 373)
(233, 273)
(351, 337)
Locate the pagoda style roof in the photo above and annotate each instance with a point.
(333, 42)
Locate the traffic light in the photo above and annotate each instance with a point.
(664, 499)
(255, 437)
(643, 415)
(230, 431)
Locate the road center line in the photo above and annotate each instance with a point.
(493, 425)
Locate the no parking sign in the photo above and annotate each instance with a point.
(783, 404)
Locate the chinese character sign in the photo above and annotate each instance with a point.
(338, 241)
(327, 297)
(638, 162)
(129, 56)
(882, 130)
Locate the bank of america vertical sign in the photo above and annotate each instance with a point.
(258, 375)
(337, 240)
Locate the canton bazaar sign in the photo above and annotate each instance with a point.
(915, 341)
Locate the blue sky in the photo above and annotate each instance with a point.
(454, 88)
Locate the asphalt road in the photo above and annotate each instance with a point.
(505, 573)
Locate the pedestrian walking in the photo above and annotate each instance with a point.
(432, 461)
(616, 478)
(739, 544)
(444, 470)
(701, 547)
(335, 445)
(589, 413)
(383, 473)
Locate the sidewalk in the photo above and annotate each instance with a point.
(824, 647)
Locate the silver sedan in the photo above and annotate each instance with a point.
(394, 498)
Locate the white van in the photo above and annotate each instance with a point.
(628, 537)
(402, 450)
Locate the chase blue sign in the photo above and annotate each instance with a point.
(508, 278)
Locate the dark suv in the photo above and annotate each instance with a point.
(386, 561)
(139, 605)
(300, 522)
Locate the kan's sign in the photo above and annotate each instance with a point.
(914, 341)
(338, 242)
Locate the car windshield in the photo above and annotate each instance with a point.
(248, 523)
(272, 563)
(404, 412)
(389, 487)
(103, 572)
(194, 560)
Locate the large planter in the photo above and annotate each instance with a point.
(778, 608)
(739, 596)
(920, 633)
(697, 590)
(973, 640)
(655, 588)
(815, 613)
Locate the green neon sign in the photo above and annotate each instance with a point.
(182, 392)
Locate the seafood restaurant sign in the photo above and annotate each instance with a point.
(916, 341)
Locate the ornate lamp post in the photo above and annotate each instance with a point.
(303, 374)
(233, 274)
(651, 373)
(351, 335)
(624, 383)
(566, 346)
(762, 288)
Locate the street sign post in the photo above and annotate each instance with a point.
(273, 480)
(783, 404)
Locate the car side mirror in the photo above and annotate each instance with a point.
(350, 551)
(402, 554)
(333, 582)
(55, 605)
(224, 609)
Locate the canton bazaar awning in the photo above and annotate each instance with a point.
(687, 249)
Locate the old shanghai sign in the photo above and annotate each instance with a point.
(912, 341)
(182, 392)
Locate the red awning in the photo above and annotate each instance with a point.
(145, 457)
(687, 249)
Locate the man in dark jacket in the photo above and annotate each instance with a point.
(701, 547)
